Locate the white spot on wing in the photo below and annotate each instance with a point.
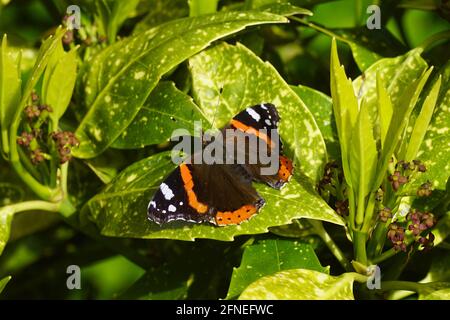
(166, 191)
(268, 122)
(172, 208)
(253, 114)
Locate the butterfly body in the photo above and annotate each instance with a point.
(222, 193)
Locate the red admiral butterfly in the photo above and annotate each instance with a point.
(222, 194)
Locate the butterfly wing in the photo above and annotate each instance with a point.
(219, 194)
(262, 120)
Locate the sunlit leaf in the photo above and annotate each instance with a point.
(4, 282)
(301, 284)
(10, 90)
(268, 257)
(165, 110)
(6, 215)
(363, 154)
(227, 79)
(384, 110)
(434, 151)
(421, 123)
(398, 123)
(321, 107)
(443, 294)
(345, 108)
(59, 81)
(123, 75)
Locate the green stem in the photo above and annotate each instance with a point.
(41, 190)
(319, 28)
(27, 163)
(390, 253)
(403, 285)
(368, 215)
(359, 243)
(31, 205)
(64, 172)
(335, 250)
(360, 207)
(5, 143)
(351, 206)
(376, 243)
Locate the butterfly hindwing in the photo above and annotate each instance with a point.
(205, 193)
(170, 202)
(264, 117)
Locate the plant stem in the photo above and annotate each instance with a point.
(368, 215)
(41, 190)
(31, 205)
(335, 250)
(64, 171)
(389, 253)
(351, 206)
(360, 209)
(376, 243)
(403, 285)
(359, 243)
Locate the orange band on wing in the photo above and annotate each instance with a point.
(235, 217)
(186, 176)
(286, 168)
(244, 128)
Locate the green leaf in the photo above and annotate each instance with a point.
(442, 230)
(302, 284)
(227, 79)
(163, 283)
(345, 108)
(363, 155)
(268, 257)
(321, 107)
(443, 294)
(253, 4)
(396, 74)
(166, 110)
(44, 56)
(439, 270)
(399, 120)
(367, 46)
(123, 75)
(4, 282)
(59, 81)
(120, 209)
(435, 148)
(6, 215)
(200, 7)
(284, 8)
(385, 110)
(10, 90)
(421, 123)
(111, 14)
(161, 11)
